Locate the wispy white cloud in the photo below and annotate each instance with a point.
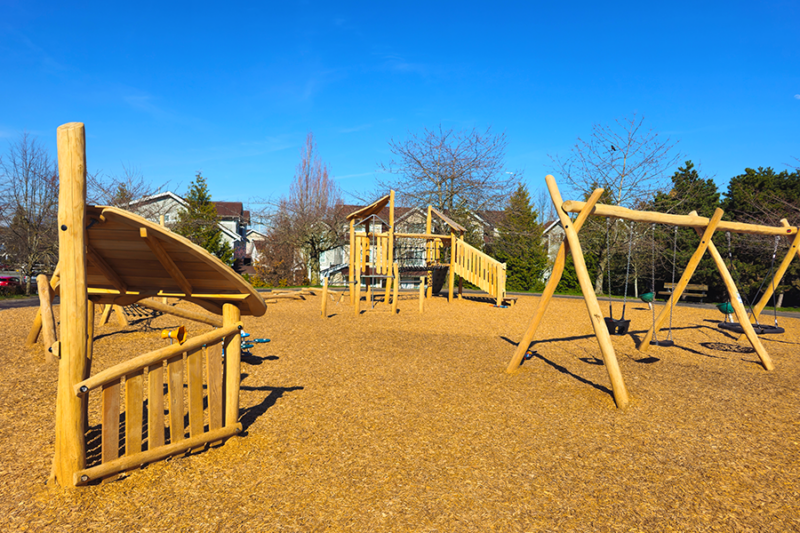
(797, 97)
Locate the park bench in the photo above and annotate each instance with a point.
(691, 291)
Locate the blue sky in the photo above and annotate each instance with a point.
(231, 89)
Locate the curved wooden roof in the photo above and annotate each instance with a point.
(130, 258)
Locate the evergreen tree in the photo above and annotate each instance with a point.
(199, 222)
(689, 192)
(519, 244)
(762, 196)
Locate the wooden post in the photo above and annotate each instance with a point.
(794, 250)
(351, 268)
(428, 244)
(106, 314)
(324, 310)
(396, 288)
(552, 283)
(595, 314)
(451, 275)
(390, 247)
(421, 293)
(738, 306)
(36, 327)
(686, 277)
(46, 316)
(233, 352)
(122, 320)
(357, 295)
(70, 443)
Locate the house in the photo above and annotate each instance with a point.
(234, 220)
(552, 237)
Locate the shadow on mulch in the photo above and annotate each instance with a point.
(725, 347)
(249, 415)
(256, 360)
(566, 371)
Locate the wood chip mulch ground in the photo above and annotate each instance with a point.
(409, 423)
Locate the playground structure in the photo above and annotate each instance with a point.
(112, 257)
(704, 227)
(386, 255)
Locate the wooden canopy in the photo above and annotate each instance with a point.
(130, 258)
(455, 226)
(372, 209)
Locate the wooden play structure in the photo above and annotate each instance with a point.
(374, 255)
(704, 227)
(108, 256)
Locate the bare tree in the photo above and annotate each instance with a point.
(126, 191)
(456, 171)
(310, 220)
(29, 207)
(630, 162)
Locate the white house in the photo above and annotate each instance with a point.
(234, 220)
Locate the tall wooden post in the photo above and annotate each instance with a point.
(452, 273)
(552, 283)
(421, 293)
(396, 288)
(351, 268)
(595, 314)
(70, 442)
(233, 354)
(390, 248)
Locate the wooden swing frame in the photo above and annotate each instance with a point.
(704, 227)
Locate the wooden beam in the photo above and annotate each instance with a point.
(122, 464)
(738, 306)
(46, 316)
(106, 269)
(552, 283)
(166, 261)
(595, 314)
(686, 277)
(212, 320)
(152, 358)
(690, 221)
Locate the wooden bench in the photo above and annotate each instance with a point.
(691, 291)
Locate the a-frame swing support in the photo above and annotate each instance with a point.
(705, 228)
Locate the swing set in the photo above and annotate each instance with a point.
(704, 227)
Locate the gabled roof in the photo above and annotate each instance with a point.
(157, 197)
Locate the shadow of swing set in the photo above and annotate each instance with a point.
(704, 227)
(111, 257)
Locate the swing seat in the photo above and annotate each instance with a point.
(665, 342)
(647, 297)
(760, 329)
(725, 308)
(617, 327)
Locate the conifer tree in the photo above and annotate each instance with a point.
(519, 244)
(199, 222)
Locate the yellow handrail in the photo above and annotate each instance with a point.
(480, 269)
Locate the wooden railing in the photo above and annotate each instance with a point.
(184, 363)
(477, 268)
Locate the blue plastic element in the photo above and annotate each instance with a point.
(247, 346)
(262, 340)
(501, 306)
(243, 334)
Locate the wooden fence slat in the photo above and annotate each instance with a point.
(194, 363)
(133, 413)
(176, 404)
(110, 421)
(155, 406)
(216, 408)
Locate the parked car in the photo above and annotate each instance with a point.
(9, 281)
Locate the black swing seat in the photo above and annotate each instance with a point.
(760, 329)
(664, 342)
(617, 327)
